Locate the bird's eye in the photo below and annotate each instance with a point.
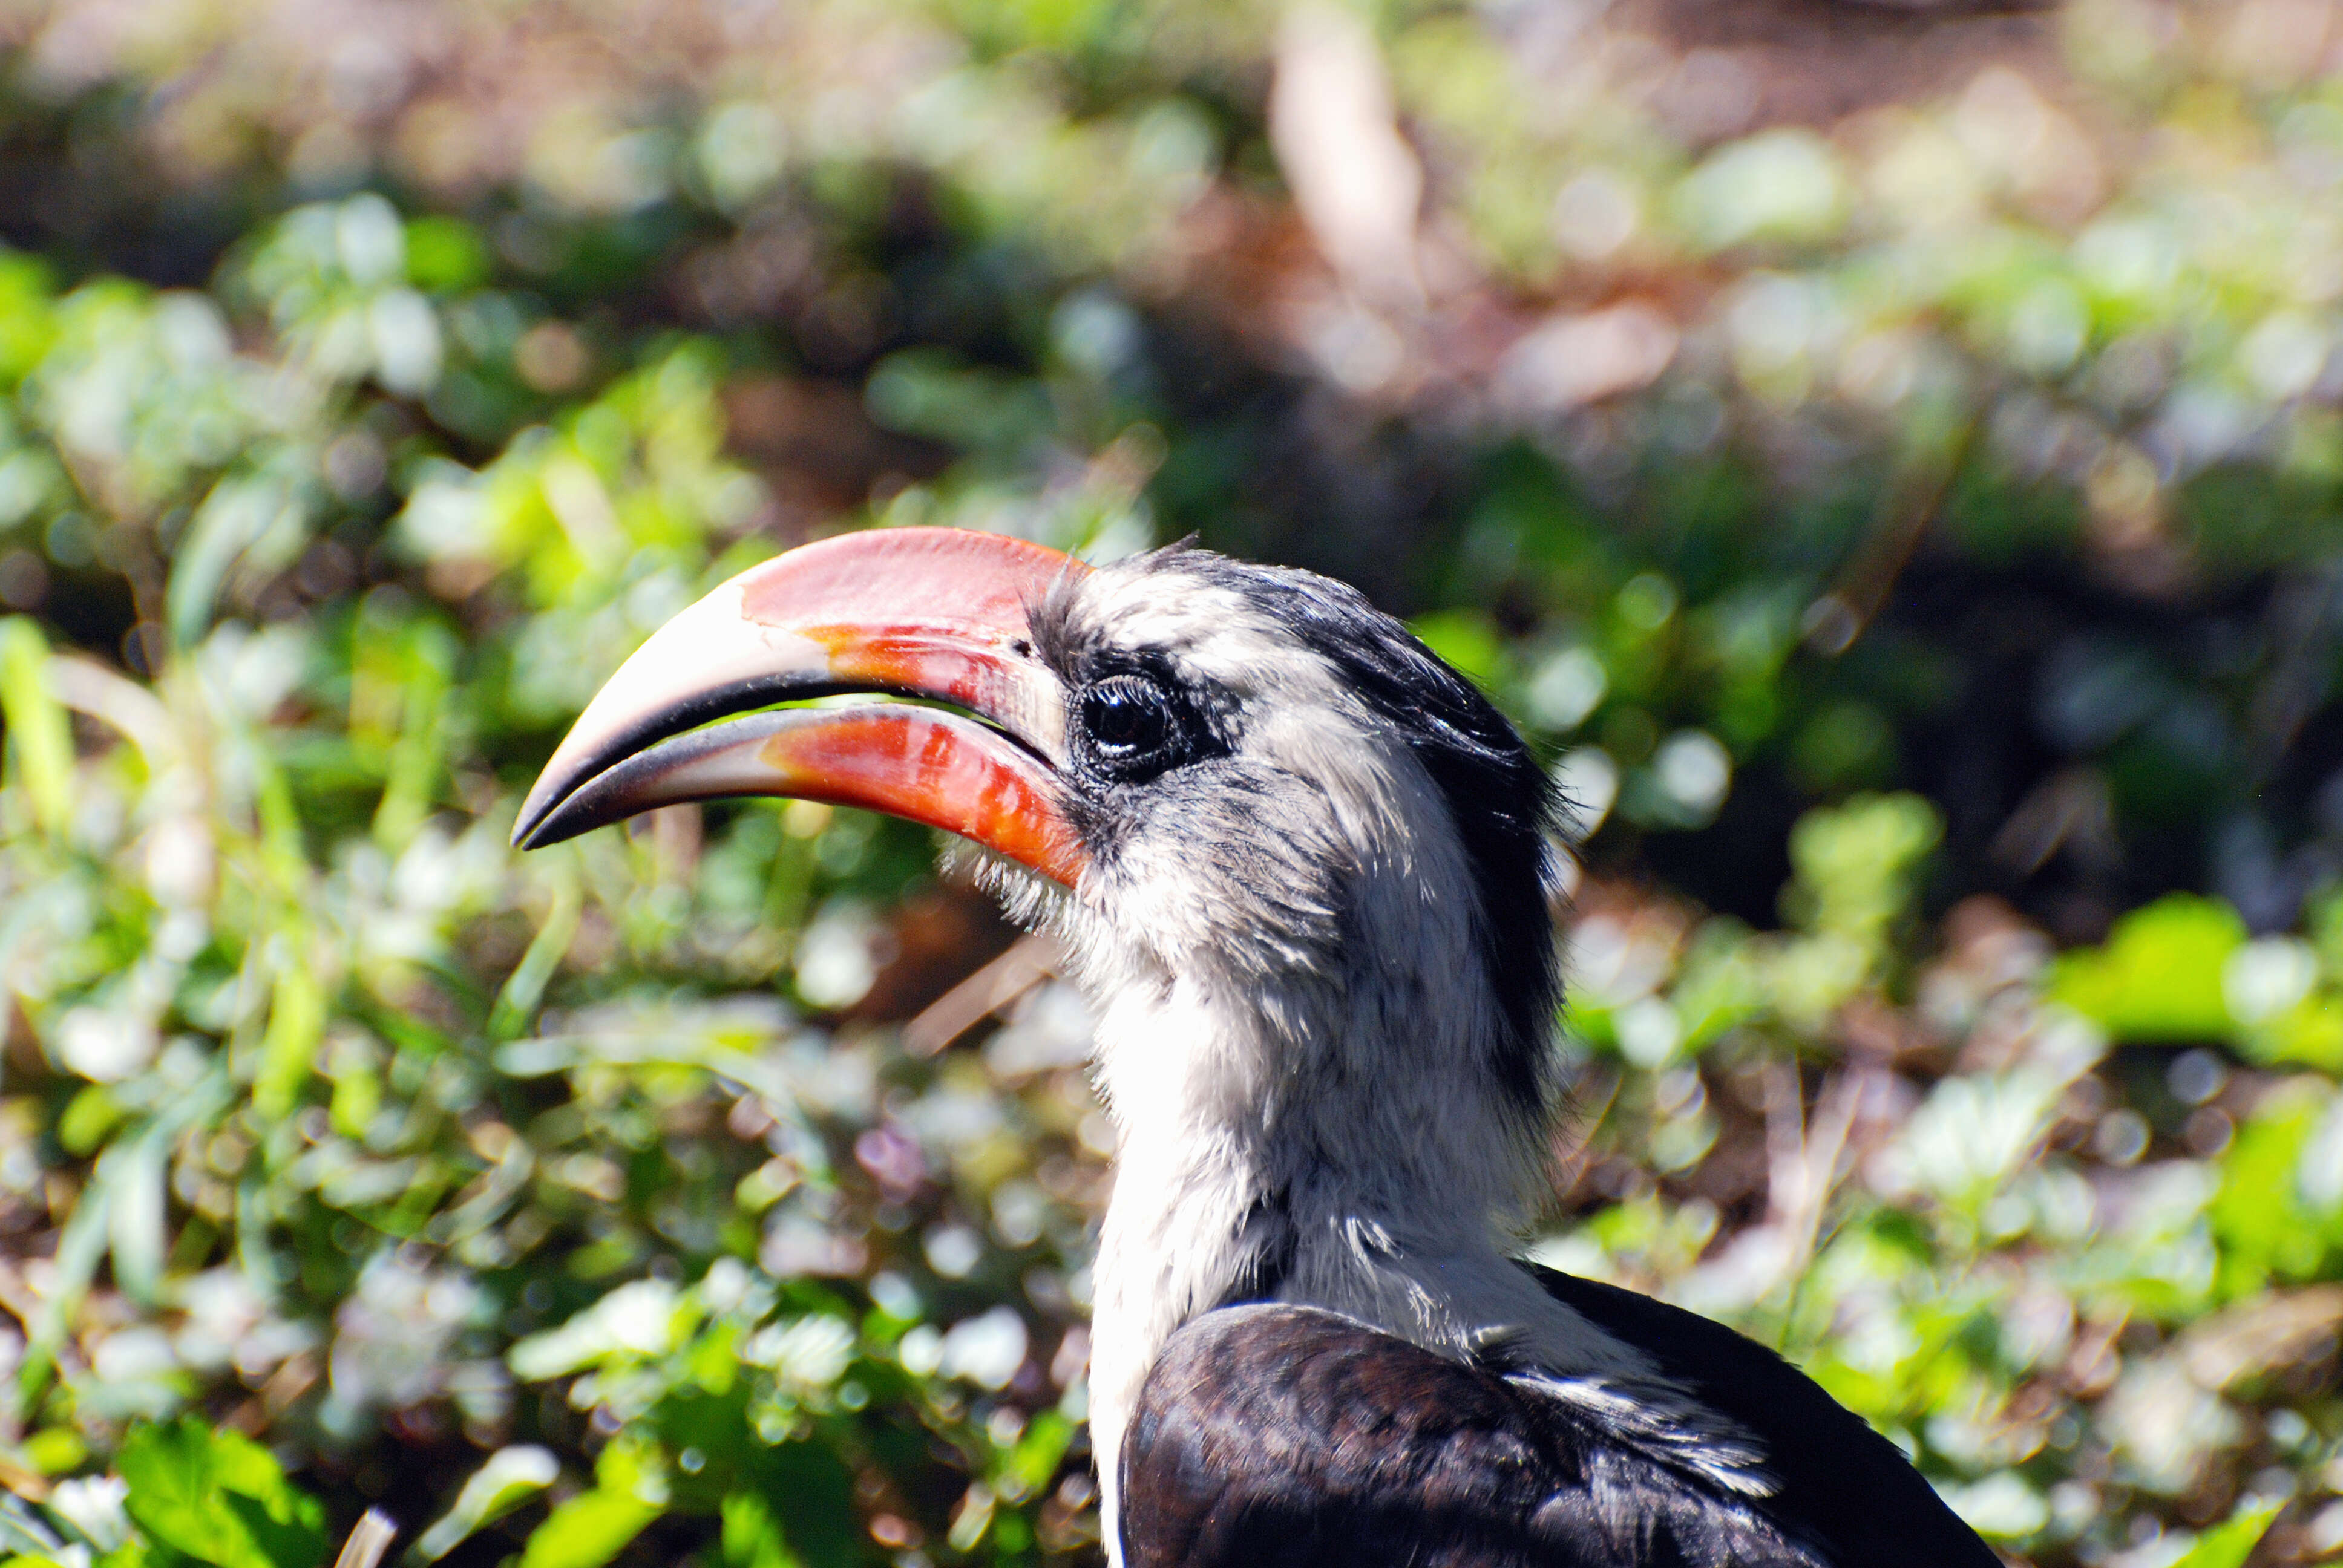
(1133, 725)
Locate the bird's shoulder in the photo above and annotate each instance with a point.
(1290, 1437)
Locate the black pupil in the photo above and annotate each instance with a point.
(1127, 718)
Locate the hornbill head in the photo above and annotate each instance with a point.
(1244, 781)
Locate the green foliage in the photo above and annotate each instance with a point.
(2159, 975)
(2230, 1544)
(629, 1492)
(217, 1497)
(1909, 540)
(510, 1477)
(37, 738)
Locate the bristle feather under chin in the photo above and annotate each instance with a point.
(1030, 901)
(1026, 897)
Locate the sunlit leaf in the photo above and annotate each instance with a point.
(2159, 977)
(510, 1477)
(220, 1498)
(2229, 1543)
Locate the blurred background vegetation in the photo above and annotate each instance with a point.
(1889, 457)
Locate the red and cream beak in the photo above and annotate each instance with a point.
(935, 614)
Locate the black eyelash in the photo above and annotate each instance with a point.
(1131, 727)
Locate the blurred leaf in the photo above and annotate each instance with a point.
(445, 254)
(297, 1020)
(637, 1319)
(27, 322)
(90, 1115)
(510, 1477)
(588, 1531)
(38, 739)
(260, 519)
(517, 1003)
(130, 1175)
(1466, 639)
(219, 1497)
(81, 1246)
(57, 1451)
(751, 1535)
(1855, 863)
(2158, 976)
(2228, 1544)
(21, 1532)
(1781, 184)
(594, 1526)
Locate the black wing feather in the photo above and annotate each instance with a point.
(1273, 1436)
(1290, 1437)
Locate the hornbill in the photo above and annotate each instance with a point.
(1300, 867)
